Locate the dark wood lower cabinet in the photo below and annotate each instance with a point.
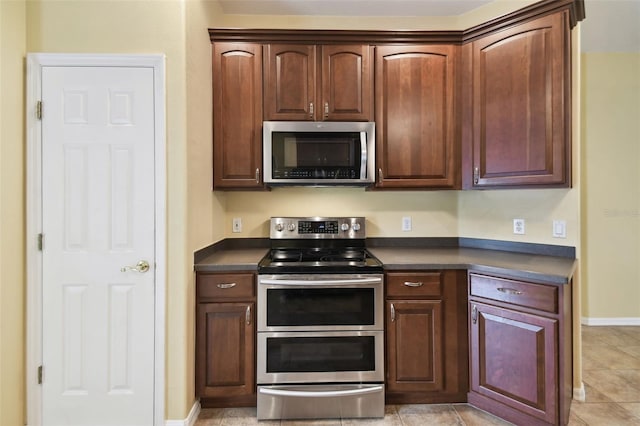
(225, 340)
(520, 350)
(514, 360)
(426, 339)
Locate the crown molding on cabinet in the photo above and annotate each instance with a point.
(544, 7)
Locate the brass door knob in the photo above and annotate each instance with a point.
(142, 267)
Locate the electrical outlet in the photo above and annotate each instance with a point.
(560, 229)
(237, 224)
(518, 226)
(406, 223)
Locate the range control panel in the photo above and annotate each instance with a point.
(317, 227)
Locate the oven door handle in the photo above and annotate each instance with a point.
(315, 394)
(357, 281)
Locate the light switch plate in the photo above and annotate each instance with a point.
(560, 229)
(406, 223)
(518, 226)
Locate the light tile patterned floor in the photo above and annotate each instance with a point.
(611, 373)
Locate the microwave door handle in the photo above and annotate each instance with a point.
(363, 156)
(358, 281)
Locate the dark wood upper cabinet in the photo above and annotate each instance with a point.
(347, 90)
(517, 90)
(289, 81)
(488, 107)
(415, 92)
(237, 115)
(307, 82)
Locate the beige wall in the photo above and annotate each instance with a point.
(145, 27)
(12, 213)
(198, 217)
(611, 162)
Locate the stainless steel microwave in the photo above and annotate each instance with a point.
(318, 153)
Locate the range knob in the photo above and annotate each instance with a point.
(356, 226)
(344, 227)
(291, 227)
(279, 227)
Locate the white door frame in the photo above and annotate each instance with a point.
(35, 62)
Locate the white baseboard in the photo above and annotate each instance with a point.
(610, 321)
(579, 394)
(190, 420)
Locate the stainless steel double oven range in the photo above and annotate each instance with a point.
(320, 322)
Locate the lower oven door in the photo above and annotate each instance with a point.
(320, 401)
(320, 357)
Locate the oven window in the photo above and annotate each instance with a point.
(320, 354)
(325, 306)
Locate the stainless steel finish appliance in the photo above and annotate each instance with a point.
(318, 153)
(320, 348)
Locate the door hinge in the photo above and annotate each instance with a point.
(39, 110)
(40, 241)
(40, 375)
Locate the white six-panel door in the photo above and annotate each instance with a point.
(98, 222)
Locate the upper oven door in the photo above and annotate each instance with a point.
(325, 153)
(320, 302)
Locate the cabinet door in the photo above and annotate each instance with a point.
(225, 360)
(514, 360)
(237, 115)
(414, 345)
(415, 116)
(522, 106)
(290, 82)
(347, 91)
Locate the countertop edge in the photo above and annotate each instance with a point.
(243, 254)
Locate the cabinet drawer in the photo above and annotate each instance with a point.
(536, 296)
(413, 284)
(224, 286)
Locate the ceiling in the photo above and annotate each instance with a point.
(351, 7)
(610, 26)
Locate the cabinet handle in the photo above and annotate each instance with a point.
(474, 314)
(226, 285)
(476, 175)
(310, 109)
(326, 110)
(380, 176)
(247, 315)
(257, 175)
(413, 284)
(509, 291)
(393, 313)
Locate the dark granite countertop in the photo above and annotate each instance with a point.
(538, 263)
(530, 267)
(236, 259)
